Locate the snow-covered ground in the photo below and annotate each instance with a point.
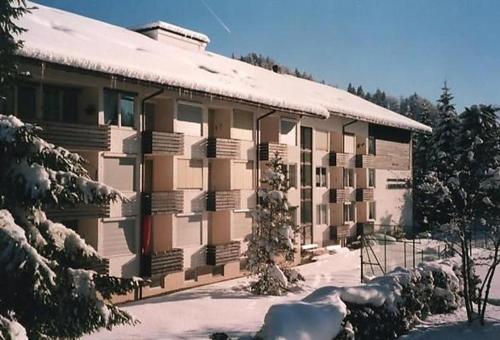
(229, 307)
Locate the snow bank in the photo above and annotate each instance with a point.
(389, 304)
(63, 38)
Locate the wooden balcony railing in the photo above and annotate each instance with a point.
(223, 253)
(339, 231)
(164, 262)
(165, 202)
(268, 151)
(383, 162)
(365, 228)
(162, 143)
(341, 160)
(79, 211)
(339, 195)
(76, 136)
(364, 194)
(223, 200)
(223, 148)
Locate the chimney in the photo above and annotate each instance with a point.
(174, 35)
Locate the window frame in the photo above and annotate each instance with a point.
(194, 104)
(372, 183)
(321, 214)
(372, 215)
(348, 212)
(348, 179)
(321, 177)
(296, 125)
(119, 94)
(353, 144)
(372, 145)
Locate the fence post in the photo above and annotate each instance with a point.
(385, 252)
(414, 252)
(404, 250)
(361, 255)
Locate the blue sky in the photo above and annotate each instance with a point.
(400, 46)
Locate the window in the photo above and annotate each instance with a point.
(371, 145)
(348, 212)
(348, 178)
(188, 231)
(243, 124)
(119, 172)
(288, 132)
(119, 107)
(51, 104)
(292, 175)
(189, 119)
(306, 206)
(371, 178)
(127, 110)
(26, 101)
(70, 106)
(321, 217)
(118, 238)
(322, 140)
(372, 212)
(321, 177)
(349, 143)
(189, 174)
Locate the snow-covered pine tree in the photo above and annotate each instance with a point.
(271, 248)
(422, 144)
(47, 289)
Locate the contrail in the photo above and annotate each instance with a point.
(216, 17)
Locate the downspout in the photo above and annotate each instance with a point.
(145, 223)
(257, 154)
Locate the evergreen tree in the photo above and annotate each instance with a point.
(360, 92)
(351, 89)
(10, 10)
(271, 247)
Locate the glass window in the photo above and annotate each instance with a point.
(372, 211)
(371, 145)
(70, 106)
(321, 217)
(306, 213)
(288, 132)
(292, 175)
(371, 178)
(348, 178)
(321, 177)
(26, 101)
(110, 107)
(306, 138)
(306, 175)
(51, 104)
(189, 120)
(348, 212)
(127, 110)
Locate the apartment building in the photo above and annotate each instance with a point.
(184, 134)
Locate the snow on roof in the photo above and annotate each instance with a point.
(65, 38)
(174, 29)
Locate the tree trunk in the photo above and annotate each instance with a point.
(491, 270)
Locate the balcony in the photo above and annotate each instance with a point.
(364, 194)
(365, 228)
(79, 211)
(338, 232)
(223, 148)
(162, 263)
(268, 151)
(165, 202)
(223, 253)
(162, 143)
(365, 161)
(223, 200)
(343, 160)
(76, 136)
(339, 195)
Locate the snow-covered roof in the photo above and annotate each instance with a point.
(174, 29)
(65, 38)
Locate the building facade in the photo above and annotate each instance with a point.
(188, 164)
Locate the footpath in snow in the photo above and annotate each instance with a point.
(227, 306)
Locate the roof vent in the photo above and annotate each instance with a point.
(174, 35)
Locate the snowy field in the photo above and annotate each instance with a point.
(228, 307)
